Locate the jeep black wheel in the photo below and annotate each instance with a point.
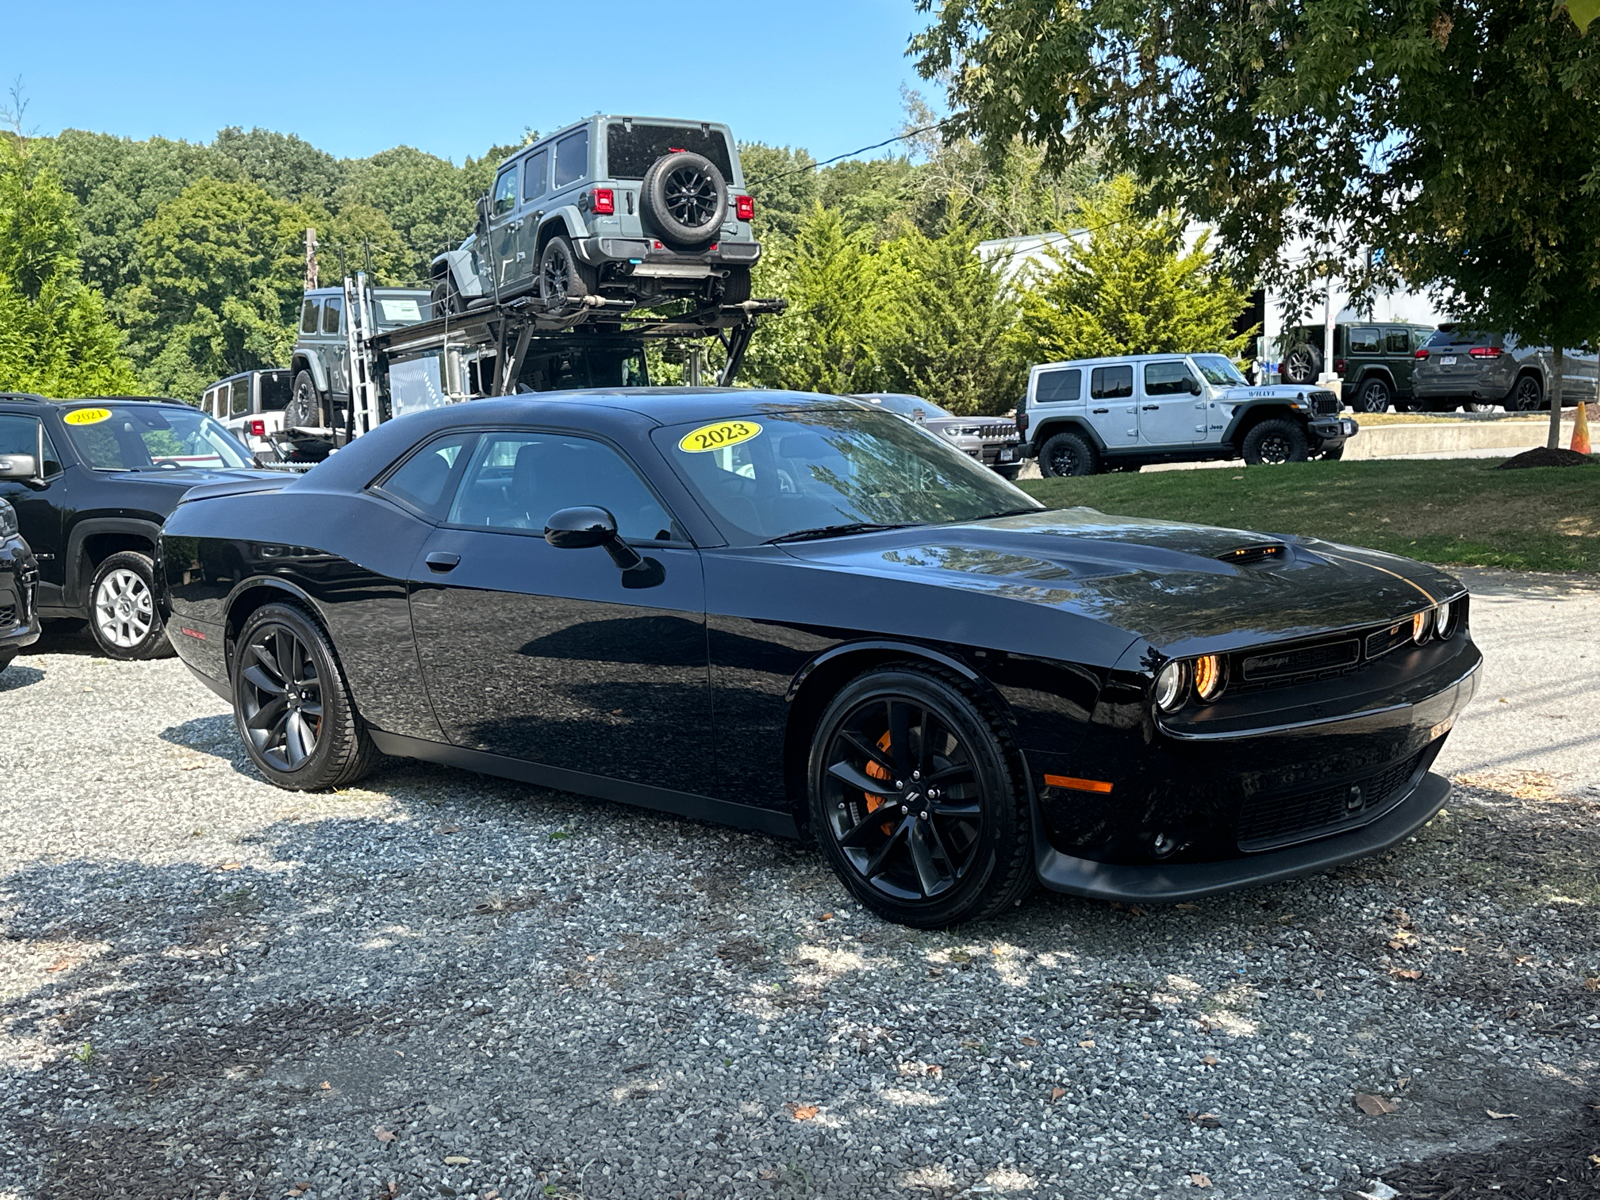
(914, 799)
(1374, 396)
(1302, 364)
(304, 410)
(1527, 396)
(563, 280)
(1274, 441)
(1067, 454)
(292, 705)
(736, 288)
(122, 608)
(686, 198)
(446, 297)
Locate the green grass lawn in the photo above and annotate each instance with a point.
(1449, 511)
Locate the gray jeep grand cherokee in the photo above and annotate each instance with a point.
(638, 208)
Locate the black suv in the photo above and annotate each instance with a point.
(91, 482)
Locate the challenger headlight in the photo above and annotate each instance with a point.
(1445, 619)
(1422, 626)
(8, 519)
(1169, 686)
(1209, 677)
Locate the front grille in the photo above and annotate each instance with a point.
(1385, 640)
(1269, 822)
(8, 615)
(1301, 662)
(1324, 404)
(997, 431)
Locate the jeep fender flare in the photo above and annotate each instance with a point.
(458, 263)
(565, 222)
(1376, 372)
(1253, 412)
(75, 578)
(1053, 425)
(306, 361)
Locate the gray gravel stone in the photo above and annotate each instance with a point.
(441, 984)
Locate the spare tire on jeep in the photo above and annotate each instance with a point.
(685, 197)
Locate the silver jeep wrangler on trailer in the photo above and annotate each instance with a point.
(636, 208)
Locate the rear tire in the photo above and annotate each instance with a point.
(959, 839)
(292, 706)
(1527, 395)
(1065, 454)
(123, 615)
(563, 280)
(1374, 397)
(736, 288)
(305, 409)
(1274, 441)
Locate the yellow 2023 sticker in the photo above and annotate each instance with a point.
(87, 416)
(718, 435)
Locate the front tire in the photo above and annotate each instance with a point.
(292, 705)
(914, 800)
(1067, 454)
(304, 410)
(1274, 441)
(122, 608)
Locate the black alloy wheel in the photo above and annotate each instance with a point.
(915, 802)
(1374, 396)
(691, 195)
(305, 404)
(1067, 454)
(1275, 441)
(292, 706)
(685, 197)
(1527, 396)
(563, 279)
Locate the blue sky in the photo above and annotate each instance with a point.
(454, 79)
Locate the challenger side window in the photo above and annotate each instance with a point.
(423, 481)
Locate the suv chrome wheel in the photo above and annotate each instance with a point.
(124, 610)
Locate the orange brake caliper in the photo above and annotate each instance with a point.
(874, 802)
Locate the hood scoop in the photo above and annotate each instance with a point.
(1244, 556)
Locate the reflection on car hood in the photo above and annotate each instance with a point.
(1160, 580)
(188, 477)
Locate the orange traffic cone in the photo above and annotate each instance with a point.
(1580, 430)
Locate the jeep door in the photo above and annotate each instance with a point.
(535, 182)
(1172, 410)
(502, 236)
(1398, 356)
(1112, 410)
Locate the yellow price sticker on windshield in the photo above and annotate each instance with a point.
(87, 416)
(715, 437)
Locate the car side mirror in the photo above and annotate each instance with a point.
(483, 210)
(1194, 386)
(18, 466)
(585, 528)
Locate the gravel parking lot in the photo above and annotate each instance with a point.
(438, 984)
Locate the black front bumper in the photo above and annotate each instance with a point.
(1329, 433)
(19, 595)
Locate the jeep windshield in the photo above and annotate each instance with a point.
(393, 312)
(789, 474)
(144, 437)
(1219, 370)
(630, 151)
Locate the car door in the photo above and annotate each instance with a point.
(1171, 410)
(39, 502)
(1397, 356)
(1112, 409)
(333, 345)
(555, 656)
(535, 182)
(503, 229)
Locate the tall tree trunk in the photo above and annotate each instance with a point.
(1555, 400)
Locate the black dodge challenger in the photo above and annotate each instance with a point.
(798, 614)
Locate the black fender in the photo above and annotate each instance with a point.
(76, 580)
(1250, 412)
(1053, 425)
(305, 361)
(1377, 372)
(553, 225)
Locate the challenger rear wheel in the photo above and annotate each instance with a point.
(292, 705)
(914, 799)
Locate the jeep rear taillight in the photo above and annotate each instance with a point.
(1338, 366)
(258, 429)
(1484, 352)
(744, 207)
(605, 202)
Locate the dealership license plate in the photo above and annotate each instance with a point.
(1449, 360)
(1007, 455)
(1347, 427)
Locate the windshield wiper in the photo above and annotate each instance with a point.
(828, 531)
(1011, 512)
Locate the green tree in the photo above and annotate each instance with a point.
(783, 183)
(1129, 285)
(828, 340)
(283, 164)
(55, 338)
(1458, 141)
(947, 333)
(221, 274)
(427, 200)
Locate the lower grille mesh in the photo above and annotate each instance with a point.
(1268, 821)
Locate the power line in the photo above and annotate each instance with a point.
(910, 133)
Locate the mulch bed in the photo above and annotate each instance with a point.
(1562, 1166)
(1544, 456)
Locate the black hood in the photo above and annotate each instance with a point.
(1162, 581)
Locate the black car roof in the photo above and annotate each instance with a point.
(31, 398)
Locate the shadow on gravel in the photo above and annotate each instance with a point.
(1562, 1166)
(16, 677)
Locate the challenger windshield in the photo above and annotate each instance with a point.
(817, 472)
(148, 437)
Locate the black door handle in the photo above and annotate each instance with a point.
(1152, 408)
(1102, 410)
(438, 561)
